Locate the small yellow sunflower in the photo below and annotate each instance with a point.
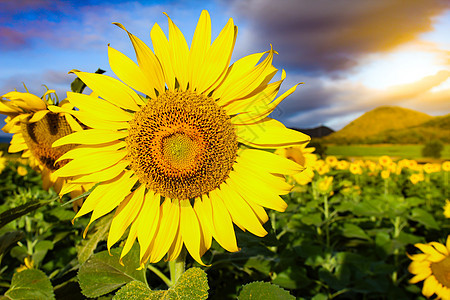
(432, 266)
(447, 209)
(35, 128)
(304, 157)
(170, 161)
(446, 166)
(2, 162)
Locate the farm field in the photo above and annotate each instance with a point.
(397, 151)
(344, 235)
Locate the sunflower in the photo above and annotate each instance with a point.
(35, 128)
(304, 157)
(432, 266)
(171, 161)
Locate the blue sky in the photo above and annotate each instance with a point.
(352, 55)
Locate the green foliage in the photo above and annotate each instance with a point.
(193, 284)
(432, 149)
(103, 273)
(30, 284)
(263, 290)
(352, 248)
(374, 151)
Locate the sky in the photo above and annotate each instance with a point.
(351, 55)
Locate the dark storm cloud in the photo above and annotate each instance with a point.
(327, 36)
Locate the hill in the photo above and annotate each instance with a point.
(316, 132)
(368, 127)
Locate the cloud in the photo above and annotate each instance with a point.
(336, 103)
(329, 36)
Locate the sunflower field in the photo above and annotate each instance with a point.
(193, 191)
(346, 234)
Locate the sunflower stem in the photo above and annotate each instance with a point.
(177, 267)
(160, 275)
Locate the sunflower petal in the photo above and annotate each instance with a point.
(199, 47)
(162, 51)
(179, 52)
(223, 226)
(90, 137)
(125, 214)
(148, 63)
(190, 230)
(111, 90)
(148, 222)
(103, 109)
(268, 134)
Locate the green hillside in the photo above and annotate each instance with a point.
(390, 124)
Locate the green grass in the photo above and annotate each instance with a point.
(400, 151)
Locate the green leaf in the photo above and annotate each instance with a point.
(292, 278)
(9, 239)
(78, 86)
(193, 284)
(354, 231)
(103, 273)
(40, 250)
(87, 247)
(263, 290)
(30, 284)
(17, 212)
(134, 290)
(423, 217)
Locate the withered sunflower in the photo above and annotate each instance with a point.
(35, 128)
(170, 161)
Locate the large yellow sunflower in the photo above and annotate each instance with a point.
(170, 161)
(35, 128)
(432, 266)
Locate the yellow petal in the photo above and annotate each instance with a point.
(162, 51)
(92, 149)
(199, 47)
(103, 175)
(91, 163)
(148, 225)
(125, 214)
(38, 116)
(111, 90)
(90, 137)
(273, 163)
(247, 83)
(255, 191)
(170, 218)
(179, 52)
(278, 184)
(103, 109)
(116, 194)
(175, 249)
(206, 232)
(190, 230)
(26, 100)
(91, 120)
(429, 286)
(241, 211)
(148, 63)
(129, 242)
(74, 125)
(223, 226)
(268, 134)
(129, 72)
(217, 58)
(441, 248)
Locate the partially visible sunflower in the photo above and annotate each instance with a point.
(447, 209)
(171, 162)
(35, 128)
(304, 157)
(432, 266)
